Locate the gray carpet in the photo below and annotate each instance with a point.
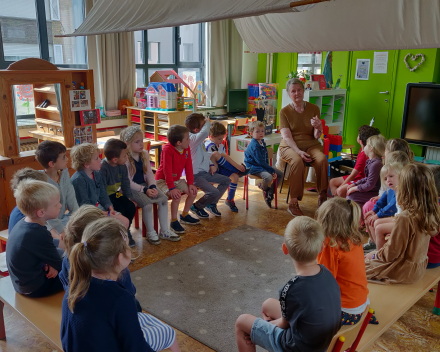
(202, 290)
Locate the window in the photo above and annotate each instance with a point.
(310, 62)
(28, 29)
(178, 48)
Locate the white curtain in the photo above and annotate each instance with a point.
(112, 59)
(224, 58)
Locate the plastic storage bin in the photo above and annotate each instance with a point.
(326, 100)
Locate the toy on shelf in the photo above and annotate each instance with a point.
(180, 100)
(122, 105)
(152, 96)
(268, 90)
(332, 144)
(199, 95)
(167, 97)
(81, 86)
(254, 91)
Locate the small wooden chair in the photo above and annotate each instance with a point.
(105, 134)
(3, 239)
(225, 140)
(349, 146)
(306, 169)
(239, 123)
(247, 177)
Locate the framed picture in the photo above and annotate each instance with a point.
(90, 117)
(362, 69)
(320, 79)
(79, 99)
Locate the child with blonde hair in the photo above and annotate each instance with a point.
(361, 191)
(143, 186)
(98, 306)
(308, 312)
(434, 243)
(400, 159)
(403, 259)
(343, 255)
(256, 158)
(87, 180)
(31, 256)
(398, 144)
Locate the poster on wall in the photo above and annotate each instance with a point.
(80, 99)
(90, 117)
(83, 135)
(362, 69)
(380, 63)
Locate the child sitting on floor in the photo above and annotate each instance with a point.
(204, 170)
(403, 259)
(399, 158)
(143, 186)
(52, 156)
(175, 158)
(308, 312)
(338, 185)
(434, 243)
(31, 256)
(361, 191)
(85, 215)
(115, 176)
(224, 163)
(87, 180)
(343, 255)
(23, 174)
(98, 313)
(257, 160)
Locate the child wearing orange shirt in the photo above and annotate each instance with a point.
(343, 255)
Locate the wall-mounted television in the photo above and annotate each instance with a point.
(421, 114)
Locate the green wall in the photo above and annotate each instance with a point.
(429, 71)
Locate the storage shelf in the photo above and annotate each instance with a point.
(50, 109)
(48, 122)
(45, 89)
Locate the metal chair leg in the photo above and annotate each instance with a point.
(284, 174)
(288, 193)
(276, 196)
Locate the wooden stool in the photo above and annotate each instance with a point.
(349, 146)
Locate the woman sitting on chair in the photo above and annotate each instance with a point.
(301, 129)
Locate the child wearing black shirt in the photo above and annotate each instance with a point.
(308, 312)
(31, 256)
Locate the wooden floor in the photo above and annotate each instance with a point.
(417, 330)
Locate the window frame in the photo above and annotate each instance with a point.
(311, 66)
(176, 53)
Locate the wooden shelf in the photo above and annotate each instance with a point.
(52, 109)
(46, 89)
(46, 136)
(48, 122)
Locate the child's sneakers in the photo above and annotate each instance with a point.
(231, 205)
(212, 208)
(176, 227)
(369, 247)
(189, 220)
(199, 212)
(169, 235)
(131, 242)
(153, 238)
(245, 172)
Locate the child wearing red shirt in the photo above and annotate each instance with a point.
(338, 185)
(343, 255)
(176, 157)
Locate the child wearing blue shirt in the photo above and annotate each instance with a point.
(379, 221)
(257, 160)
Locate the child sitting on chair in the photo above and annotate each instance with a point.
(434, 243)
(224, 163)
(308, 312)
(31, 256)
(257, 160)
(403, 259)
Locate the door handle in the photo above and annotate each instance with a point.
(386, 92)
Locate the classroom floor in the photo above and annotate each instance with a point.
(417, 330)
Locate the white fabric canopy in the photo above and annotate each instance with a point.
(112, 16)
(346, 25)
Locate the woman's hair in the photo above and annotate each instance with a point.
(33, 195)
(416, 193)
(101, 243)
(397, 157)
(128, 135)
(339, 218)
(396, 144)
(27, 174)
(303, 238)
(377, 144)
(293, 81)
(85, 215)
(366, 132)
(253, 125)
(82, 154)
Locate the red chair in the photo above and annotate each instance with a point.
(246, 182)
(136, 222)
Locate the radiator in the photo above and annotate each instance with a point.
(432, 153)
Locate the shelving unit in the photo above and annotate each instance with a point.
(155, 124)
(331, 103)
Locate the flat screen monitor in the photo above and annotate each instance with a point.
(421, 114)
(237, 100)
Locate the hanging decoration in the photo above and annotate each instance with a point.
(413, 58)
